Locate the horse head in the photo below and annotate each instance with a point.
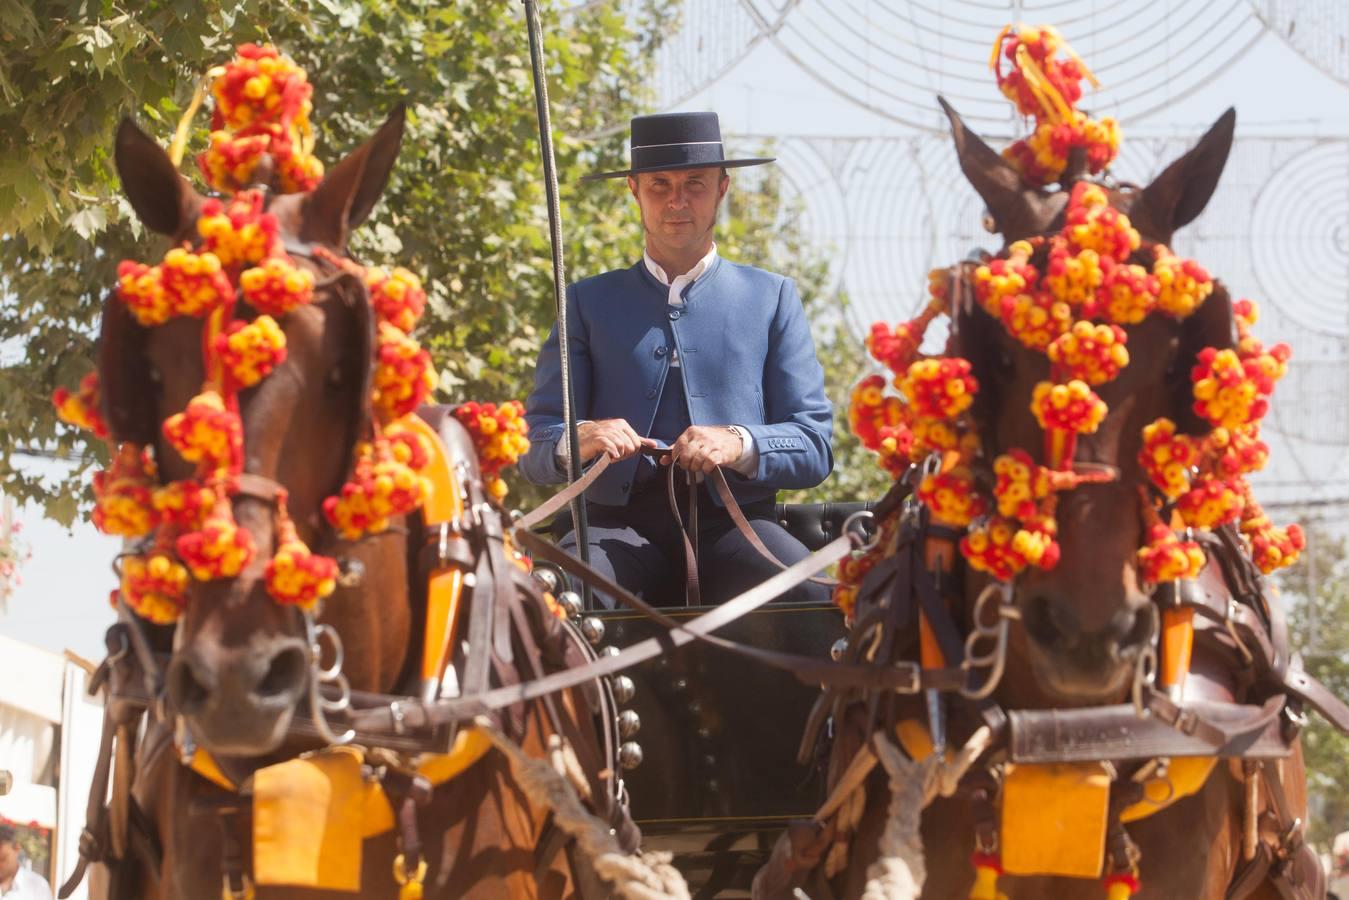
(241, 660)
(1087, 619)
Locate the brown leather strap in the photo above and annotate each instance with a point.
(258, 487)
(1314, 693)
(692, 589)
(742, 525)
(810, 670)
(1116, 732)
(92, 839)
(555, 503)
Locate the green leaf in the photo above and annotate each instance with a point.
(88, 221)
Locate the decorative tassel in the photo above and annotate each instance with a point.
(207, 432)
(294, 575)
(404, 376)
(987, 869)
(82, 409)
(249, 351)
(219, 549)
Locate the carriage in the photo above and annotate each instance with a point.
(515, 744)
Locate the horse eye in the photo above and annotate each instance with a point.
(990, 224)
(335, 378)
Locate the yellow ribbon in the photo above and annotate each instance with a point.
(185, 123)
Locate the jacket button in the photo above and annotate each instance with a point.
(660, 351)
(651, 393)
(626, 485)
(675, 314)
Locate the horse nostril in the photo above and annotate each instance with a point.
(285, 674)
(188, 689)
(1049, 622)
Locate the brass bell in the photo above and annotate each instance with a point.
(611, 650)
(593, 629)
(630, 755)
(839, 648)
(624, 689)
(629, 723)
(546, 578)
(570, 601)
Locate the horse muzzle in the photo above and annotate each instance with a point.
(239, 701)
(1081, 665)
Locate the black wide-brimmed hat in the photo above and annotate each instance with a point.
(669, 141)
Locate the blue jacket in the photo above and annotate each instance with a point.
(746, 357)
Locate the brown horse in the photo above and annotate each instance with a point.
(240, 661)
(1084, 624)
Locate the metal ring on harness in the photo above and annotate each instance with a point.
(995, 659)
(863, 515)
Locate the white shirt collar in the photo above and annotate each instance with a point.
(688, 277)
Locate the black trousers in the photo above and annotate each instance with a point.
(640, 547)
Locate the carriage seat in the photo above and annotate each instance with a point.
(813, 524)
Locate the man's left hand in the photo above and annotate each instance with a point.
(701, 448)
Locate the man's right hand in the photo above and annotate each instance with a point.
(612, 436)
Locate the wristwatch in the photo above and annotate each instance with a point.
(740, 433)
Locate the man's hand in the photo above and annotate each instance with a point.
(701, 448)
(612, 436)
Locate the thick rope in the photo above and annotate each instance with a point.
(899, 870)
(640, 876)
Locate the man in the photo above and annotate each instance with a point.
(687, 349)
(17, 883)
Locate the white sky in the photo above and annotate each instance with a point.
(63, 601)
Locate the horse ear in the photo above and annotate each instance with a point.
(160, 195)
(348, 193)
(1211, 325)
(1178, 195)
(992, 176)
(127, 395)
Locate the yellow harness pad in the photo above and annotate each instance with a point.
(310, 816)
(1185, 775)
(1054, 819)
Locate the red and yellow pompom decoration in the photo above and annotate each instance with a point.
(1230, 392)
(237, 231)
(951, 496)
(219, 549)
(1037, 319)
(141, 288)
(207, 432)
(404, 376)
(1237, 452)
(1048, 88)
(1127, 295)
(938, 388)
(380, 488)
(1002, 549)
(1074, 278)
(408, 447)
(500, 437)
(1000, 279)
(82, 409)
(195, 283)
(878, 421)
(1091, 223)
(1168, 457)
(1168, 558)
(1021, 485)
(1090, 353)
(262, 105)
(295, 576)
(1272, 548)
(1182, 284)
(155, 586)
(1210, 502)
(397, 297)
(123, 494)
(249, 351)
(1067, 407)
(277, 286)
(184, 504)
